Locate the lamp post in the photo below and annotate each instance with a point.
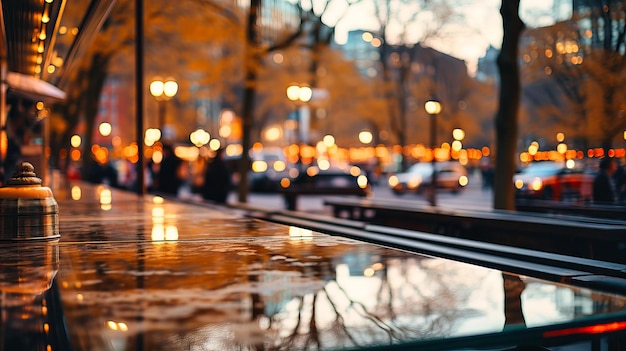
(163, 91)
(299, 94)
(365, 137)
(433, 108)
(105, 129)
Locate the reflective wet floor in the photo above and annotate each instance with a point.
(135, 273)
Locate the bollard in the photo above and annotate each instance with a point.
(28, 210)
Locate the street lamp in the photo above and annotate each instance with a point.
(365, 137)
(105, 129)
(433, 108)
(299, 94)
(163, 91)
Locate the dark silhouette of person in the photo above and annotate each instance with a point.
(217, 179)
(487, 172)
(620, 182)
(604, 191)
(11, 159)
(103, 173)
(21, 119)
(167, 177)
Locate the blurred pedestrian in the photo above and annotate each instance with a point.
(487, 173)
(217, 179)
(103, 172)
(620, 182)
(604, 191)
(168, 178)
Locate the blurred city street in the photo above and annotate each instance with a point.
(473, 196)
(366, 141)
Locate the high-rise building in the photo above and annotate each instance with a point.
(363, 47)
(487, 68)
(562, 9)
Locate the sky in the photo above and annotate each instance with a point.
(482, 27)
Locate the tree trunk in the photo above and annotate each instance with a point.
(247, 114)
(81, 104)
(509, 100)
(95, 78)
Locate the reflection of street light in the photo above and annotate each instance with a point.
(433, 108)
(163, 91)
(302, 94)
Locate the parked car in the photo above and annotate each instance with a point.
(548, 180)
(451, 175)
(268, 167)
(332, 181)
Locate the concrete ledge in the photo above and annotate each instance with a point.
(602, 239)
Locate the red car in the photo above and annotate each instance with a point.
(551, 181)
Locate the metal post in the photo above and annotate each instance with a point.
(298, 138)
(139, 92)
(433, 143)
(162, 112)
(433, 107)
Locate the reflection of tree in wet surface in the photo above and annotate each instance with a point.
(272, 294)
(513, 288)
(415, 299)
(402, 298)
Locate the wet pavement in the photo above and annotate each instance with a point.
(133, 273)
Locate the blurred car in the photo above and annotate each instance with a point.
(451, 175)
(333, 181)
(548, 180)
(268, 167)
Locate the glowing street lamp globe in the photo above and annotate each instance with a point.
(163, 89)
(366, 137)
(293, 92)
(170, 88)
(458, 134)
(76, 140)
(156, 88)
(299, 93)
(432, 107)
(105, 129)
(305, 94)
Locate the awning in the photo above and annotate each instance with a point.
(45, 39)
(33, 88)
